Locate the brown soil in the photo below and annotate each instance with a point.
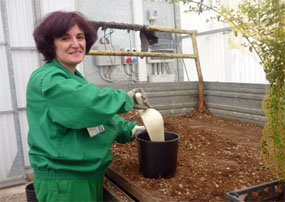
(215, 156)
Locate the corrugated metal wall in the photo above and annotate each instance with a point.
(236, 101)
(170, 98)
(18, 58)
(17, 24)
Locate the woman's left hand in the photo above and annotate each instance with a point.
(137, 130)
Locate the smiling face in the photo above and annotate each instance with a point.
(70, 48)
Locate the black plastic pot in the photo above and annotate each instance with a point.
(30, 193)
(158, 159)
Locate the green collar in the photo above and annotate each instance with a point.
(77, 75)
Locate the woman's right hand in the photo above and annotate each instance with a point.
(139, 97)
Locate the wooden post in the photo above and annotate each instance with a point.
(199, 72)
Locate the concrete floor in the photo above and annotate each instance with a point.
(15, 194)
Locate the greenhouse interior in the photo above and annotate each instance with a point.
(186, 97)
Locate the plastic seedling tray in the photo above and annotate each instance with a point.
(271, 191)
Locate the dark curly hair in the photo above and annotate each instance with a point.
(55, 25)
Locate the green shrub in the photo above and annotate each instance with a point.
(262, 24)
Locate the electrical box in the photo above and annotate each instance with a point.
(152, 14)
(107, 60)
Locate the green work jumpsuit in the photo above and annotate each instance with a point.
(68, 164)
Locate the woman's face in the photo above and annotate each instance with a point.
(70, 48)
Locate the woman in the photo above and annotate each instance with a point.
(72, 123)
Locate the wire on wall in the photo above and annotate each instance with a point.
(107, 70)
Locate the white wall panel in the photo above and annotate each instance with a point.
(21, 22)
(54, 5)
(211, 58)
(24, 63)
(24, 134)
(221, 63)
(189, 63)
(218, 61)
(245, 69)
(211, 53)
(8, 144)
(5, 93)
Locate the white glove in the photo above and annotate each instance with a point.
(143, 102)
(137, 130)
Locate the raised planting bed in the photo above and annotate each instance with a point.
(215, 156)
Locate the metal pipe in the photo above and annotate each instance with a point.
(214, 31)
(12, 111)
(136, 27)
(171, 30)
(23, 48)
(141, 54)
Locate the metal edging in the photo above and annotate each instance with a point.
(12, 110)
(11, 182)
(23, 48)
(214, 31)
(128, 186)
(118, 189)
(7, 112)
(13, 91)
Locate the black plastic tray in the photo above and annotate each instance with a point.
(271, 191)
